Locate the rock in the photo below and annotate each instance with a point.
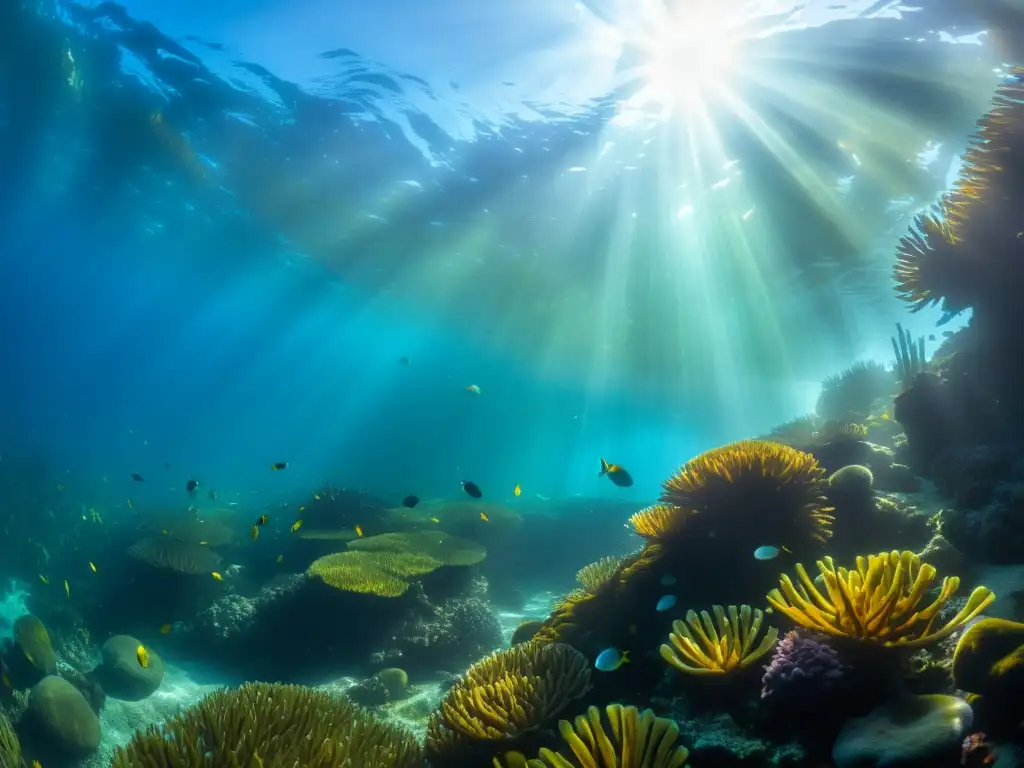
(910, 730)
(63, 718)
(121, 675)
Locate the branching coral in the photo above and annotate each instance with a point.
(716, 646)
(506, 695)
(755, 487)
(877, 602)
(272, 725)
(593, 576)
(631, 739)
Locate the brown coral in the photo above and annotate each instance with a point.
(631, 739)
(504, 696)
(263, 724)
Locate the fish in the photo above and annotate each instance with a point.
(472, 489)
(668, 580)
(143, 656)
(484, 517)
(404, 360)
(217, 576)
(667, 602)
(278, 466)
(610, 659)
(616, 474)
(262, 520)
(255, 533)
(6, 681)
(435, 520)
(280, 559)
(410, 502)
(138, 478)
(131, 504)
(67, 588)
(165, 629)
(43, 579)
(92, 566)
(473, 389)
(517, 490)
(36, 764)
(359, 531)
(295, 526)
(163, 532)
(316, 497)
(768, 552)
(191, 485)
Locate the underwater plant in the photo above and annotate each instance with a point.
(273, 725)
(876, 602)
(504, 696)
(631, 739)
(910, 357)
(849, 395)
(716, 646)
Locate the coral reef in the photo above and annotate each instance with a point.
(805, 672)
(716, 646)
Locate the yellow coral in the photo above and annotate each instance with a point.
(385, 574)
(273, 725)
(505, 695)
(659, 521)
(877, 601)
(593, 576)
(632, 739)
(10, 747)
(437, 545)
(712, 647)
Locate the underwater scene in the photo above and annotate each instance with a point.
(538, 384)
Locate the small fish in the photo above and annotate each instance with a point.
(6, 680)
(316, 497)
(43, 579)
(768, 552)
(280, 559)
(484, 517)
(67, 589)
(302, 508)
(92, 566)
(434, 520)
(473, 389)
(143, 656)
(610, 659)
(138, 478)
(255, 533)
(616, 474)
(409, 502)
(163, 531)
(403, 360)
(359, 531)
(278, 466)
(191, 485)
(131, 504)
(472, 489)
(165, 629)
(668, 580)
(262, 520)
(203, 543)
(295, 526)
(217, 576)
(667, 602)
(517, 490)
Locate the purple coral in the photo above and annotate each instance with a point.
(803, 671)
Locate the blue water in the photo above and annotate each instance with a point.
(151, 317)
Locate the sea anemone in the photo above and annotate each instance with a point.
(724, 644)
(877, 602)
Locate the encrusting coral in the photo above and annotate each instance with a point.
(504, 696)
(631, 739)
(876, 602)
(716, 646)
(262, 724)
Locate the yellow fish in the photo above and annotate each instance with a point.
(6, 680)
(43, 579)
(316, 497)
(302, 508)
(131, 504)
(164, 531)
(36, 764)
(143, 656)
(203, 543)
(483, 516)
(67, 588)
(434, 520)
(280, 559)
(165, 629)
(217, 576)
(359, 531)
(255, 533)
(295, 526)
(517, 490)
(92, 566)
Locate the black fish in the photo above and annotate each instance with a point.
(616, 474)
(410, 501)
(279, 466)
(191, 485)
(137, 477)
(472, 489)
